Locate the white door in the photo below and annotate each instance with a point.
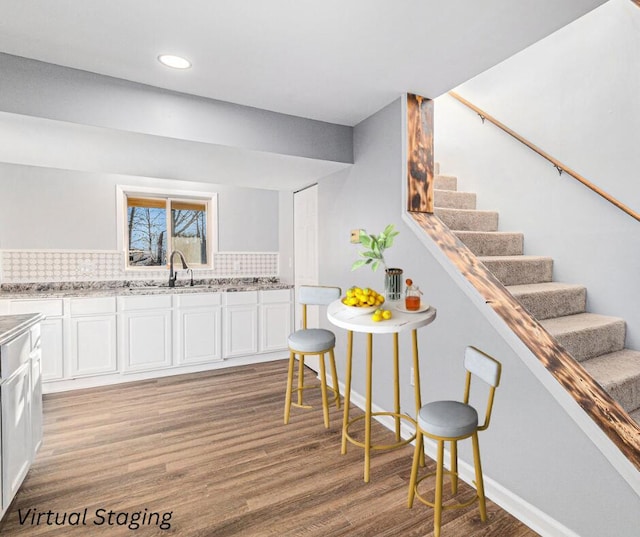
(305, 243)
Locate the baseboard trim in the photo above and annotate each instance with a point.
(96, 381)
(528, 514)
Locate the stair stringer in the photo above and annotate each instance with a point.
(608, 426)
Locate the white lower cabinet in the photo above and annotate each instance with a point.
(36, 403)
(145, 332)
(198, 328)
(92, 341)
(85, 337)
(20, 410)
(146, 340)
(275, 319)
(240, 324)
(16, 431)
(52, 349)
(53, 331)
(92, 345)
(35, 357)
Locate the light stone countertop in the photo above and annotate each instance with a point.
(136, 288)
(14, 325)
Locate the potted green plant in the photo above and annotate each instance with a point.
(373, 255)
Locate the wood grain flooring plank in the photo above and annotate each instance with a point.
(211, 449)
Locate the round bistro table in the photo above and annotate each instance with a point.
(354, 321)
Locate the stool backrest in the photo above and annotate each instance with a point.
(482, 366)
(316, 295)
(486, 368)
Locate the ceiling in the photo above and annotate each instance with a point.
(338, 61)
(333, 60)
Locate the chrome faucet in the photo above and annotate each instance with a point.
(172, 274)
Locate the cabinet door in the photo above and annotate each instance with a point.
(240, 330)
(52, 338)
(92, 345)
(146, 340)
(199, 335)
(16, 431)
(36, 402)
(275, 326)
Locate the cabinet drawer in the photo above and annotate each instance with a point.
(275, 295)
(243, 297)
(197, 299)
(92, 306)
(51, 308)
(14, 354)
(149, 302)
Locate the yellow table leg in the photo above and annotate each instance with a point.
(347, 392)
(396, 385)
(367, 419)
(334, 374)
(416, 382)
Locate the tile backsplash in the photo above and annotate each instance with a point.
(23, 266)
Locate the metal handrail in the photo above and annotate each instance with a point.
(556, 163)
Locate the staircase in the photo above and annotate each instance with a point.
(596, 341)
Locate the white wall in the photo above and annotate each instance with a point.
(533, 448)
(575, 95)
(45, 208)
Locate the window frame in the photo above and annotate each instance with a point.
(210, 199)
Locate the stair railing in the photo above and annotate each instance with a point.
(562, 168)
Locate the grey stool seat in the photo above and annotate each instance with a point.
(449, 419)
(312, 340)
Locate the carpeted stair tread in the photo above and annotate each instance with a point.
(454, 199)
(483, 243)
(519, 269)
(445, 182)
(468, 219)
(619, 374)
(587, 335)
(550, 299)
(595, 340)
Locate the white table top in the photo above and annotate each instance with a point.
(351, 319)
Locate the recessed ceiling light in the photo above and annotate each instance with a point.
(177, 62)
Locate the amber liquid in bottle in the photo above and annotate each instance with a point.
(412, 303)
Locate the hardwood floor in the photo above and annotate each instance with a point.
(211, 449)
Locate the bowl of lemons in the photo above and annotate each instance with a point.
(362, 300)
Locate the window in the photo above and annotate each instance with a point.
(158, 223)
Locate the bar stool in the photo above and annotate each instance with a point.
(312, 341)
(452, 421)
